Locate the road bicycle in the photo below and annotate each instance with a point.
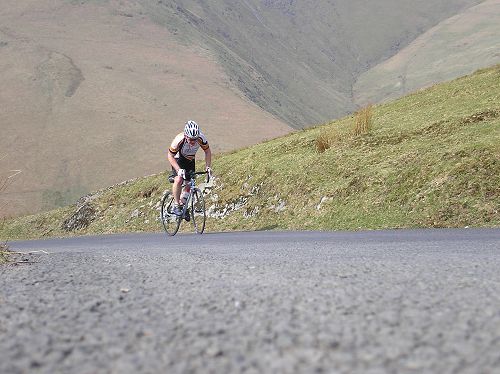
(192, 210)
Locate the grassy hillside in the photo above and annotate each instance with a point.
(430, 159)
(455, 47)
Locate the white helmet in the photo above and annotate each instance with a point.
(191, 130)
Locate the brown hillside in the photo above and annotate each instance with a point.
(92, 95)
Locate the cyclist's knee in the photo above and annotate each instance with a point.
(178, 180)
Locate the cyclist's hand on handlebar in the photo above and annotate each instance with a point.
(181, 173)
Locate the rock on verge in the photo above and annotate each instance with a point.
(81, 219)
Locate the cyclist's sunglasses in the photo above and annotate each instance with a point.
(192, 139)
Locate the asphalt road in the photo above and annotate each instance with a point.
(406, 301)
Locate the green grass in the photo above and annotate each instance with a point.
(4, 253)
(430, 159)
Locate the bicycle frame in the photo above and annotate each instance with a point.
(192, 187)
(171, 222)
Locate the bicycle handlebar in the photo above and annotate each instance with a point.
(198, 173)
(191, 174)
(201, 173)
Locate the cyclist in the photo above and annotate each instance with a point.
(181, 156)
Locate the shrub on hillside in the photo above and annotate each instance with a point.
(363, 120)
(363, 124)
(327, 137)
(323, 142)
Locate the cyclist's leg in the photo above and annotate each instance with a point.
(187, 165)
(176, 187)
(190, 166)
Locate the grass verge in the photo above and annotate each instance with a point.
(4, 253)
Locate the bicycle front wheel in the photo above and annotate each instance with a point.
(169, 219)
(198, 211)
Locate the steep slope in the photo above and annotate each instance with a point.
(456, 46)
(432, 159)
(93, 94)
(300, 59)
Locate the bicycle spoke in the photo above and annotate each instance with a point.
(169, 219)
(198, 211)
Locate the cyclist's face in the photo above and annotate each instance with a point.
(191, 140)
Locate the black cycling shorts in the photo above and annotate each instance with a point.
(188, 165)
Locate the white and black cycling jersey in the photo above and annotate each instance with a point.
(180, 147)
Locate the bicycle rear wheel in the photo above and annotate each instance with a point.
(170, 220)
(198, 211)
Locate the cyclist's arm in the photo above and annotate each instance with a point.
(208, 157)
(173, 161)
(203, 142)
(174, 148)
